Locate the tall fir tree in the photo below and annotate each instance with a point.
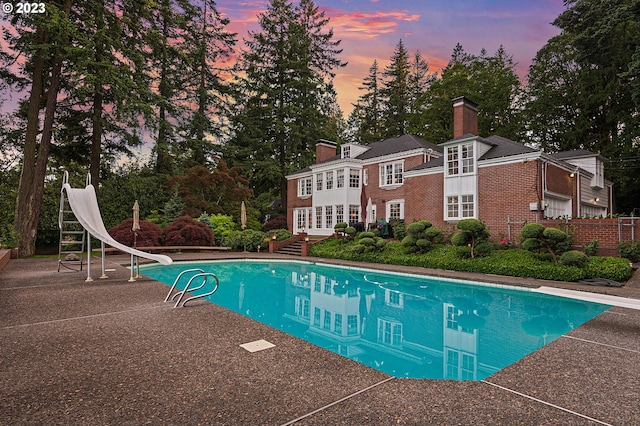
(286, 76)
(396, 93)
(366, 117)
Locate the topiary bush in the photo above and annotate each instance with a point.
(278, 222)
(591, 248)
(421, 235)
(368, 241)
(340, 228)
(187, 231)
(573, 258)
(536, 237)
(149, 235)
(472, 233)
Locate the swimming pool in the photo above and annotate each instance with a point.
(403, 325)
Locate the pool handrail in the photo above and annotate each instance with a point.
(175, 283)
(199, 296)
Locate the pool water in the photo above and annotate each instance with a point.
(403, 325)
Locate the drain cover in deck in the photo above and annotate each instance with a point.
(258, 345)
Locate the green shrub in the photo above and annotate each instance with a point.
(591, 248)
(417, 227)
(536, 237)
(350, 231)
(630, 251)
(483, 248)
(420, 236)
(366, 241)
(366, 234)
(472, 232)
(281, 234)
(399, 229)
(612, 268)
(221, 225)
(249, 239)
(340, 227)
(574, 258)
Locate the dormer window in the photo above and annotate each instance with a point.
(460, 159)
(346, 151)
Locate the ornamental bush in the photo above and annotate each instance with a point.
(536, 238)
(249, 239)
(472, 233)
(278, 222)
(368, 241)
(187, 231)
(149, 235)
(421, 236)
(574, 258)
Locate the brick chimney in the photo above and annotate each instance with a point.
(325, 150)
(465, 117)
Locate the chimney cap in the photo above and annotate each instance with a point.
(326, 142)
(463, 100)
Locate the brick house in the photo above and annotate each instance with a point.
(491, 179)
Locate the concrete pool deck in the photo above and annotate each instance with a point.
(111, 352)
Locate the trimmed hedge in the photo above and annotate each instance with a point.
(516, 263)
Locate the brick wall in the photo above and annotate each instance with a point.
(379, 196)
(507, 190)
(424, 196)
(559, 181)
(294, 202)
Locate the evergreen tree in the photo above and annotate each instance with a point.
(490, 81)
(207, 92)
(44, 39)
(367, 112)
(593, 74)
(285, 82)
(396, 93)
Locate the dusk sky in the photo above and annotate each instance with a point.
(371, 29)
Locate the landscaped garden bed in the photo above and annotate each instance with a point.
(510, 262)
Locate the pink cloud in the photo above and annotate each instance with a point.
(364, 25)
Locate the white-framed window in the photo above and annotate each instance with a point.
(392, 173)
(304, 187)
(327, 320)
(318, 217)
(395, 209)
(316, 316)
(337, 323)
(557, 207)
(354, 213)
(319, 181)
(302, 307)
(301, 218)
(467, 158)
(328, 213)
(460, 206)
(452, 207)
(346, 151)
(329, 178)
(393, 298)
(309, 218)
(467, 206)
(460, 159)
(389, 332)
(352, 325)
(340, 178)
(339, 213)
(354, 178)
(452, 161)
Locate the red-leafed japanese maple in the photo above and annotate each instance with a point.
(187, 231)
(149, 235)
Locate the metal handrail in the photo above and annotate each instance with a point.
(199, 296)
(175, 283)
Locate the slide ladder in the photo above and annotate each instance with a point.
(72, 236)
(202, 291)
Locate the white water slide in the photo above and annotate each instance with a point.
(84, 204)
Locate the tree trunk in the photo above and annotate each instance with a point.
(31, 186)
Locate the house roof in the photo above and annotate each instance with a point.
(575, 153)
(397, 145)
(503, 147)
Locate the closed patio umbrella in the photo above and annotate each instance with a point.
(243, 215)
(135, 227)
